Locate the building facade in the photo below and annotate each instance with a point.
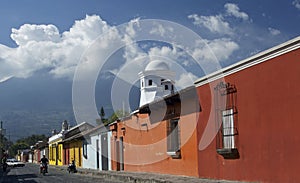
(67, 145)
(254, 107)
(97, 150)
(239, 123)
(73, 143)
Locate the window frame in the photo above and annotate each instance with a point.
(228, 129)
(173, 138)
(84, 149)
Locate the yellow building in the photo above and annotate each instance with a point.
(66, 146)
(56, 155)
(55, 149)
(73, 147)
(73, 144)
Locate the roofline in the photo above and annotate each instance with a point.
(263, 56)
(94, 130)
(78, 126)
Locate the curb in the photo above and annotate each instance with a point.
(141, 177)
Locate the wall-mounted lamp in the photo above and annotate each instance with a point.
(145, 124)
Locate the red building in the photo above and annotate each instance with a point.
(258, 136)
(239, 123)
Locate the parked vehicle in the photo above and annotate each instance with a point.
(14, 163)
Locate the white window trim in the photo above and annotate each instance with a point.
(228, 129)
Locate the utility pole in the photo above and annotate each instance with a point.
(2, 133)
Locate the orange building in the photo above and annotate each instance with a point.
(240, 123)
(158, 142)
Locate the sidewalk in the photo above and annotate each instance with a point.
(138, 177)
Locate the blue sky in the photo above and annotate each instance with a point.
(234, 29)
(49, 38)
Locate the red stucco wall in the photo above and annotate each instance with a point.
(268, 103)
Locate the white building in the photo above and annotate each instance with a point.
(156, 81)
(98, 150)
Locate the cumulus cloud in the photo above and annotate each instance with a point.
(273, 31)
(211, 51)
(166, 52)
(296, 3)
(43, 47)
(234, 10)
(161, 30)
(185, 80)
(35, 33)
(216, 24)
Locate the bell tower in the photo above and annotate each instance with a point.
(156, 81)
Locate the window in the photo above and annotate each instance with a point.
(84, 149)
(173, 140)
(51, 152)
(166, 87)
(226, 116)
(150, 82)
(59, 152)
(228, 129)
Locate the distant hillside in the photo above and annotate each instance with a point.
(39, 104)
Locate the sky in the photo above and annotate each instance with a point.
(52, 35)
(69, 40)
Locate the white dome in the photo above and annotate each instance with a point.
(157, 65)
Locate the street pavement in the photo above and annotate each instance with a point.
(140, 177)
(30, 174)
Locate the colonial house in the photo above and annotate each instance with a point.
(23, 155)
(73, 144)
(67, 145)
(239, 123)
(159, 137)
(55, 145)
(253, 107)
(96, 148)
(38, 150)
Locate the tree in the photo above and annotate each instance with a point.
(4, 143)
(25, 143)
(102, 113)
(102, 117)
(117, 115)
(13, 150)
(33, 139)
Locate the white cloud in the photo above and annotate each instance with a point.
(212, 51)
(165, 52)
(161, 30)
(35, 33)
(132, 25)
(234, 10)
(273, 31)
(185, 80)
(43, 47)
(216, 24)
(296, 3)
